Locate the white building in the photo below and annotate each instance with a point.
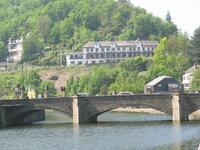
(110, 52)
(187, 77)
(15, 50)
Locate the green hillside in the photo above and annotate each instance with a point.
(69, 24)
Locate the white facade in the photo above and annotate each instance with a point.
(110, 52)
(187, 77)
(15, 50)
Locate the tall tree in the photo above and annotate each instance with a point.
(170, 57)
(44, 26)
(3, 52)
(168, 16)
(196, 80)
(32, 47)
(194, 50)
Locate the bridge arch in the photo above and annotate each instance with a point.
(95, 114)
(95, 106)
(67, 113)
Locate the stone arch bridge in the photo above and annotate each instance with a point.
(87, 109)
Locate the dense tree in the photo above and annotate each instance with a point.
(195, 80)
(170, 57)
(68, 87)
(194, 50)
(32, 47)
(44, 25)
(133, 64)
(73, 22)
(3, 52)
(48, 87)
(7, 84)
(33, 80)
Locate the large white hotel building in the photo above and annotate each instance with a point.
(110, 52)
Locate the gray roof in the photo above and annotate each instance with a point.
(75, 53)
(156, 80)
(121, 43)
(191, 69)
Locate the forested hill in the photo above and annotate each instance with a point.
(72, 23)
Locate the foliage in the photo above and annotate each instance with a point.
(50, 88)
(92, 83)
(7, 83)
(24, 81)
(128, 79)
(195, 80)
(137, 63)
(32, 47)
(72, 23)
(3, 52)
(170, 57)
(33, 80)
(103, 80)
(194, 49)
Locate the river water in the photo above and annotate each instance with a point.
(114, 131)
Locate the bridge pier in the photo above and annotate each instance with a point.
(81, 111)
(2, 116)
(11, 115)
(179, 108)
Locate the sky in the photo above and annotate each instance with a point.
(185, 13)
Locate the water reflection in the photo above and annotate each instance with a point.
(114, 131)
(177, 135)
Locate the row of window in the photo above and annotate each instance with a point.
(117, 55)
(120, 48)
(112, 55)
(95, 62)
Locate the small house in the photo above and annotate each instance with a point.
(187, 77)
(162, 84)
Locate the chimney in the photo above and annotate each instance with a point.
(195, 66)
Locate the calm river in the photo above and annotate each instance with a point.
(115, 131)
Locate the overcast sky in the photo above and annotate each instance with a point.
(185, 13)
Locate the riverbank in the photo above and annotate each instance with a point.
(193, 116)
(138, 110)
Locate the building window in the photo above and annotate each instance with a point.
(80, 62)
(124, 48)
(118, 48)
(96, 49)
(113, 49)
(101, 61)
(108, 49)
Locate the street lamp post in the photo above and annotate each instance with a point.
(180, 77)
(88, 69)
